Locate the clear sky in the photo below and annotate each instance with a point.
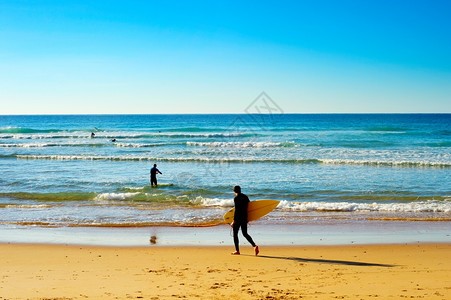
(218, 56)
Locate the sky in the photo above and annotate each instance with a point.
(146, 57)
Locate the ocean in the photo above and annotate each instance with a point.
(351, 170)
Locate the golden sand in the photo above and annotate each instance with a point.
(323, 272)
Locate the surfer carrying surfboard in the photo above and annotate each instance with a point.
(240, 220)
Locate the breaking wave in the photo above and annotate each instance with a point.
(241, 144)
(144, 145)
(43, 145)
(420, 206)
(115, 196)
(375, 163)
(213, 202)
(116, 135)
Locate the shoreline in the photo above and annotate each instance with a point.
(384, 232)
(249, 251)
(289, 272)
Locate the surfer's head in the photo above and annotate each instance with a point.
(237, 189)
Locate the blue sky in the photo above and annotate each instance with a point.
(216, 57)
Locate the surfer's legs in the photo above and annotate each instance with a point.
(236, 228)
(153, 180)
(246, 235)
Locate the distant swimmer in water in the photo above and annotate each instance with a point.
(113, 140)
(240, 220)
(92, 135)
(153, 175)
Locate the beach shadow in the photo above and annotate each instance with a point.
(326, 261)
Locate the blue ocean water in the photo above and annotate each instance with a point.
(324, 168)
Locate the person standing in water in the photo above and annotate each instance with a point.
(153, 175)
(240, 220)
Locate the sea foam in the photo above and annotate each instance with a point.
(240, 144)
(213, 202)
(421, 206)
(237, 159)
(115, 196)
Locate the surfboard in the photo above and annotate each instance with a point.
(255, 210)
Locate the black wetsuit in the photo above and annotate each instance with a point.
(153, 176)
(240, 220)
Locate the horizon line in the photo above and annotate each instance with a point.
(290, 113)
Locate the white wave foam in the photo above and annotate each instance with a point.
(131, 145)
(400, 163)
(421, 206)
(135, 188)
(142, 145)
(213, 202)
(88, 157)
(238, 144)
(112, 135)
(63, 157)
(26, 145)
(436, 164)
(41, 136)
(28, 206)
(184, 134)
(43, 145)
(115, 196)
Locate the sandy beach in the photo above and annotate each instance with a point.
(34, 271)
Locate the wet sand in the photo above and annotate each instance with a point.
(348, 232)
(36, 271)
